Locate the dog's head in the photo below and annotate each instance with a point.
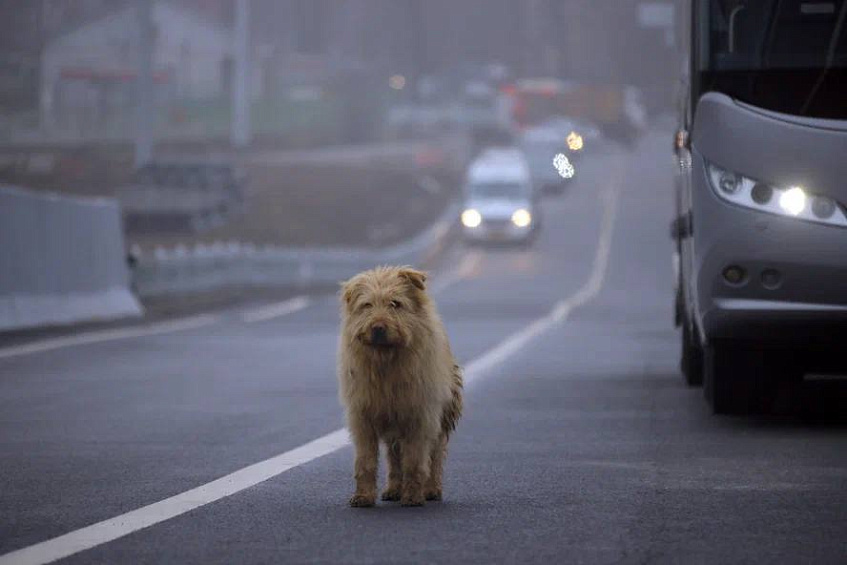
(385, 308)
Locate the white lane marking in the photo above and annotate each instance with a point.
(146, 516)
(469, 264)
(108, 335)
(276, 310)
(563, 308)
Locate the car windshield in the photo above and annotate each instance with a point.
(784, 55)
(505, 190)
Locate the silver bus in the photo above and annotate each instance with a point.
(761, 225)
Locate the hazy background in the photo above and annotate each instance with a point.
(316, 123)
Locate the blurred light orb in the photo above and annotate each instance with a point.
(563, 166)
(471, 218)
(521, 218)
(397, 82)
(575, 141)
(793, 200)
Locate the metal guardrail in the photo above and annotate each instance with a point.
(192, 196)
(209, 267)
(62, 260)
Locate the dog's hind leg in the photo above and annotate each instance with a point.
(415, 454)
(433, 490)
(394, 489)
(367, 459)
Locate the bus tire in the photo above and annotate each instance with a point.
(733, 378)
(691, 361)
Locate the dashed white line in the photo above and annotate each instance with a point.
(109, 335)
(469, 264)
(276, 310)
(144, 517)
(260, 314)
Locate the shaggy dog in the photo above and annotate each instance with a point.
(399, 384)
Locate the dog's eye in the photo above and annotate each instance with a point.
(396, 305)
(367, 305)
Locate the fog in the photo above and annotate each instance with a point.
(90, 98)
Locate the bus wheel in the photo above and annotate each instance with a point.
(734, 378)
(691, 361)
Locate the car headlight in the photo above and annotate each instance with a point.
(575, 141)
(792, 201)
(471, 218)
(521, 218)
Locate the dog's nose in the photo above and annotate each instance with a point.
(378, 334)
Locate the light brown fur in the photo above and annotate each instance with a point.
(400, 386)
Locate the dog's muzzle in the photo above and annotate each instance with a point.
(379, 335)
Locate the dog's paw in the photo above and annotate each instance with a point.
(412, 501)
(433, 495)
(362, 501)
(391, 495)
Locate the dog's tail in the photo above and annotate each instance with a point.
(453, 410)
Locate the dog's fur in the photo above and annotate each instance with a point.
(399, 384)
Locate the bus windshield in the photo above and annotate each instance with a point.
(788, 56)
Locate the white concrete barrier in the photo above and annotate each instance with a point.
(62, 260)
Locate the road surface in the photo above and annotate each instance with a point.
(580, 442)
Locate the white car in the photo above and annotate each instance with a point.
(500, 203)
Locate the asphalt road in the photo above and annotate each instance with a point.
(580, 442)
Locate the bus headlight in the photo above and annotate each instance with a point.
(521, 218)
(471, 218)
(791, 201)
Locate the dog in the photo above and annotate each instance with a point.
(399, 384)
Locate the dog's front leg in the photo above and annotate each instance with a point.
(367, 459)
(415, 453)
(433, 489)
(395, 472)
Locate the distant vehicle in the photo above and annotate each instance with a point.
(500, 203)
(556, 136)
(617, 109)
(761, 226)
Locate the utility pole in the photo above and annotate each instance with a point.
(240, 134)
(146, 95)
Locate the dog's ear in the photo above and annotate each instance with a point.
(417, 278)
(349, 288)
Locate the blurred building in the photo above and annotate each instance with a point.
(88, 73)
(75, 60)
(612, 41)
(25, 28)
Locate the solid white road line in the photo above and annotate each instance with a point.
(114, 528)
(125, 524)
(563, 308)
(108, 335)
(276, 310)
